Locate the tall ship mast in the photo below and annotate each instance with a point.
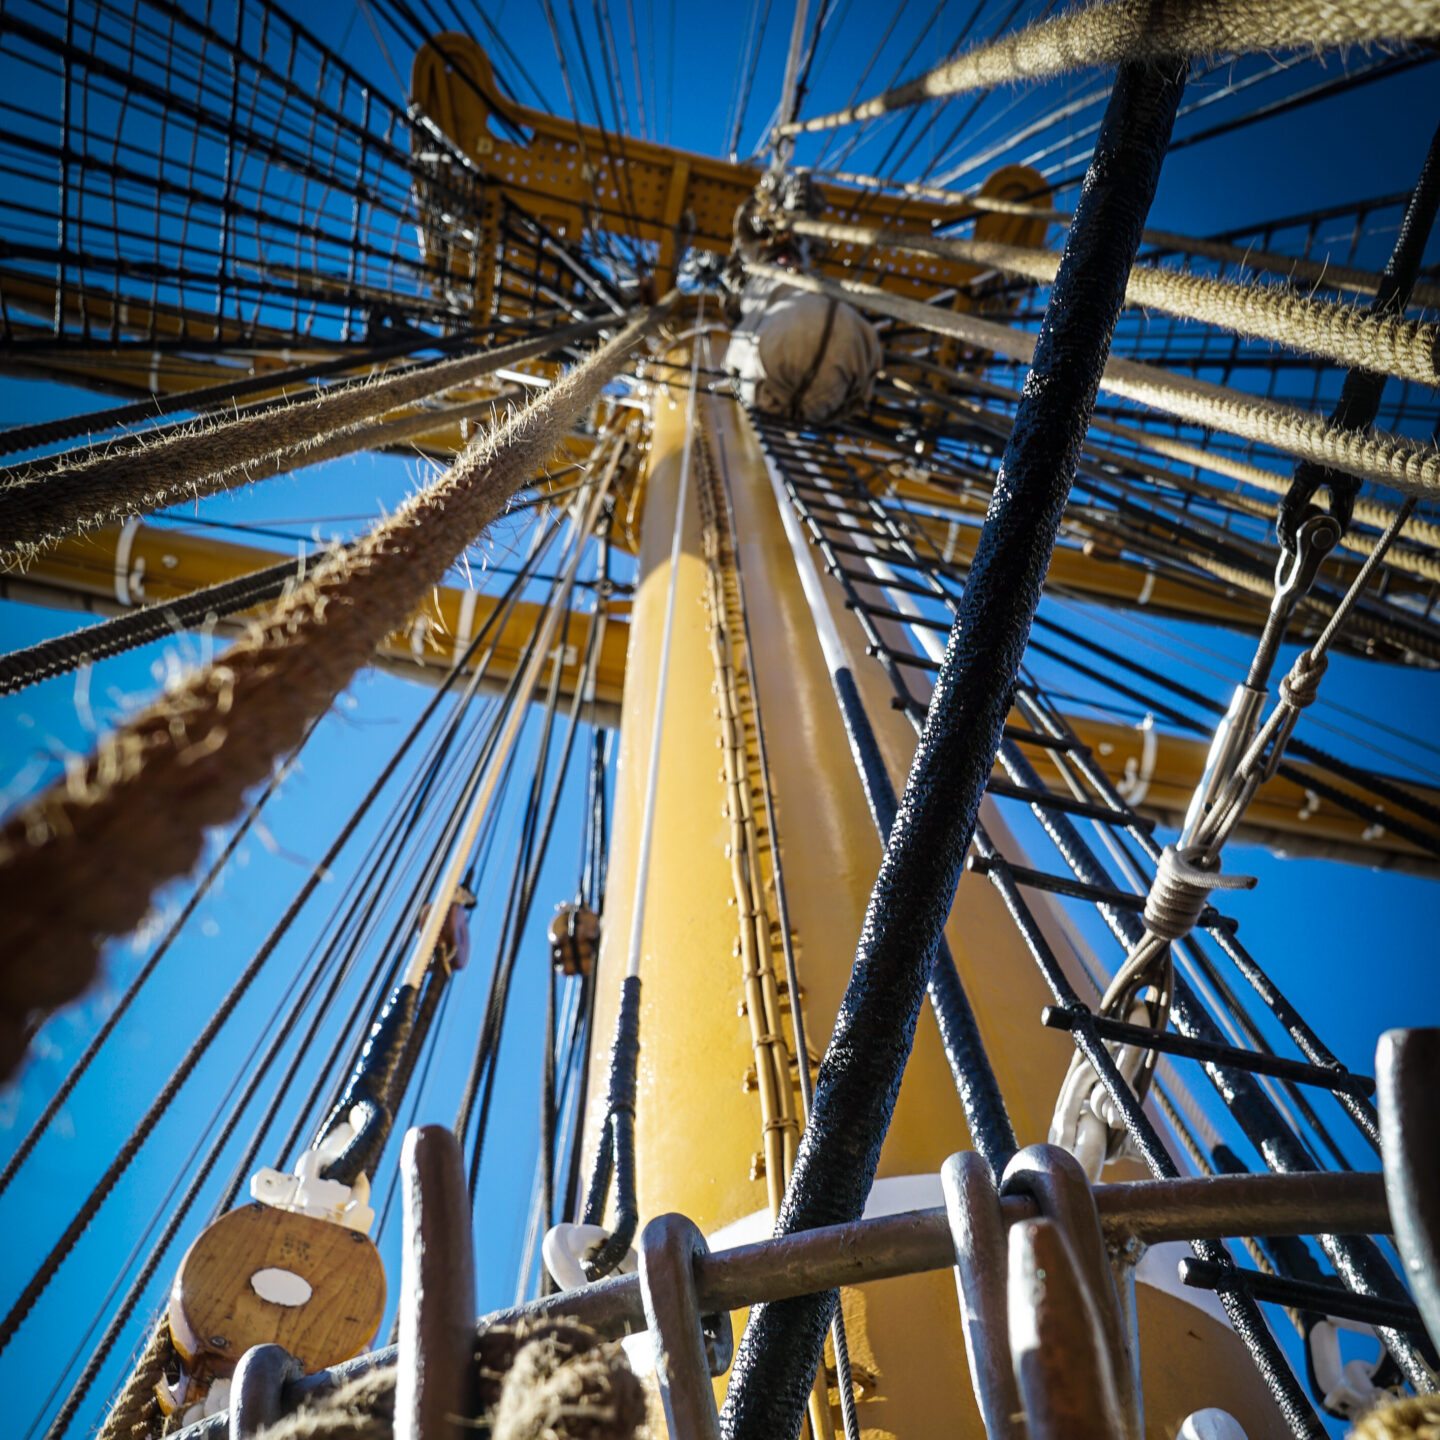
(763, 793)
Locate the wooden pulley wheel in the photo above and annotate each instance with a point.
(259, 1275)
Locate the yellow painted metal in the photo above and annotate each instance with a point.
(698, 1129)
(121, 567)
(569, 175)
(1156, 769)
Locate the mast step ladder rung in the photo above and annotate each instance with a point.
(1210, 918)
(1333, 1078)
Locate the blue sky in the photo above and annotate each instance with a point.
(1357, 946)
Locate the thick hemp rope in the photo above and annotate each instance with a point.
(1154, 30)
(1367, 511)
(1315, 272)
(552, 1381)
(225, 454)
(1405, 349)
(136, 1410)
(1188, 872)
(80, 862)
(1403, 464)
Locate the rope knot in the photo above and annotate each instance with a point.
(1183, 882)
(1300, 687)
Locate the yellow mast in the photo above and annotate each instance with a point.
(701, 1121)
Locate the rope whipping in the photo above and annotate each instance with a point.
(1150, 30)
(1381, 344)
(1410, 466)
(221, 455)
(860, 1076)
(81, 861)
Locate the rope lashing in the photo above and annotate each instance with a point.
(1155, 30)
(1183, 884)
(1188, 871)
(1381, 344)
(225, 454)
(1410, 466)
(81, 862)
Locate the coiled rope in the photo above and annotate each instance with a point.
(1406, 465)
(223, 455)
(1154, 30)
(80, 862)
(1384, 345)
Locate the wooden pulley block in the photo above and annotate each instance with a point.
(261, 1275)
(574, 939)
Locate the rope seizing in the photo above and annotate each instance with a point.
(1385, 345)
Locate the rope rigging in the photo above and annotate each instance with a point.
(229, 719)
(894, 494)
(66, 498)
(366, 896)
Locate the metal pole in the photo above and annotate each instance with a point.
(860, 1078)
